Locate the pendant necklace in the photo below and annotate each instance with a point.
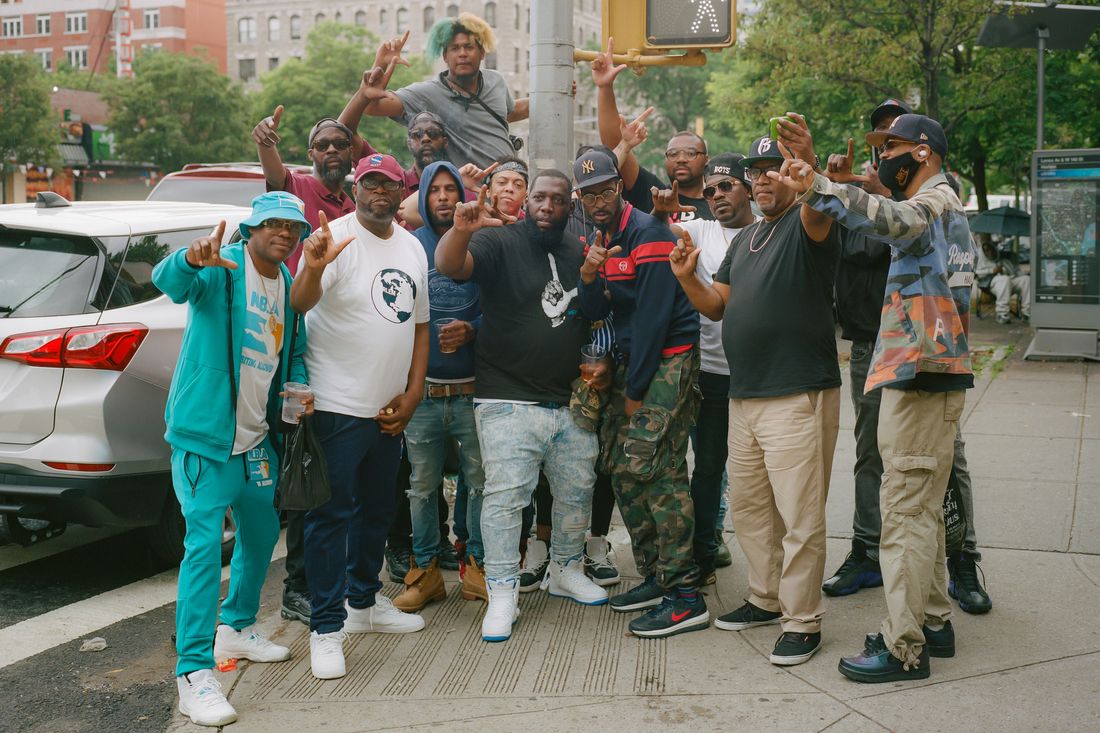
(752, 243)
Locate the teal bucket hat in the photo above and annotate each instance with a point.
(276, 205)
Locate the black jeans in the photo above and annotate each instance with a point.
(710, 442)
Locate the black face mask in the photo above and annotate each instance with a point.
(896, 173)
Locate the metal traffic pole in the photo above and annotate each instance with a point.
(551, 121)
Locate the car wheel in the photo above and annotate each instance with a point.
(166, 537)
(23, 531)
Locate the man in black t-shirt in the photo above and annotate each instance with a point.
(773, 294)
(528, 354)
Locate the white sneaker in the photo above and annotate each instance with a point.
(326, 655)
(247, 644)
(598, 564)
(202, 701)
(381, 618)
(569, 581)
(533, 569)
(503, 609)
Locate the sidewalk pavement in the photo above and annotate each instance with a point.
(1033, 663)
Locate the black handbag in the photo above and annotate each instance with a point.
(303, 480)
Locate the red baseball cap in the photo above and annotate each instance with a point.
(385, 165)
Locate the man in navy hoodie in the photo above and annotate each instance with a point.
(447, 410)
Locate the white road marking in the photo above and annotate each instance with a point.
(36, 635)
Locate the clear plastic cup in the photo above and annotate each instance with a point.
(440, 325)
(293, 405)
(591, 356)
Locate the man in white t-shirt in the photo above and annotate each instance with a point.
(729, 195)
(364, 283)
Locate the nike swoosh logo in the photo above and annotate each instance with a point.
(678, 617)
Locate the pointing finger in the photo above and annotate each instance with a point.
(323, 220)
(645, 113)
(597, 241)
(689, 243)
(610, 48)
(489, 171)
(219, 233)
(784, 150)
(278, 115)
(227, 264)
(340, 247)
(614, 251)
(851, 149)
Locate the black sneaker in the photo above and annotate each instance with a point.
(674, 615)
(876, 664)
(398, 562)
(722, 558)
(940, 644)
(532, 571)
(448, 555)
(965, 587)
(646, 594)
(795, 647)
(296, 606)
(746, 617)
(857, 571)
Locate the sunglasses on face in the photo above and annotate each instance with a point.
(322, 145)
(294, 227)
(429, 132)
(723, 186)
(371, 183)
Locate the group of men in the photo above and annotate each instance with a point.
(579, 330)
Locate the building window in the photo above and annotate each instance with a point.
(319, 18)
(273, 28)
(76, 22)
(402, 20)
(515, 59)
(77, 57)
(361, 18)
(491, 14)
(338, 17)
(429, 18)
(13, 27)
(517, 16)
(452, 11)
(246, 69)
(295, 27)
(273, 63)
(383, 16)
(42, 25)
(246, 30)
(528, 20)
(45, 55)
(151, 18)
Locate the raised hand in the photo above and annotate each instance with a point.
(265, 133)
(795, 133)
(479, 213)
(376, 79)
(207, 251)
(839, 167)
(473, 177)
(597, 256)
(684, 257)
(634, 133)
(667, 201)
(319, 251)
(604, 69)
(795, 174)
(391, 51)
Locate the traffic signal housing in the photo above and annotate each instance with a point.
(668, 25)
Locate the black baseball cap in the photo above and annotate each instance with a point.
(592, 167)
(914, 129)
(763, 148)
(325, 124)
(726, 164)
(892, 107)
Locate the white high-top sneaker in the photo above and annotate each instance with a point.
(381, 618)
(598, 564)
(247, 644)
(326, 655)
(503, 609)
(202, 701)
(569, 581)
(533, 569)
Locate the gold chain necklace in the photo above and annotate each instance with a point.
(752, 243)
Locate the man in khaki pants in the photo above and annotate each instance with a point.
(773, 294)
(922, 362)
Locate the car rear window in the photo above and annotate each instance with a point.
(236, 191)
(49, 274)
(134, 264)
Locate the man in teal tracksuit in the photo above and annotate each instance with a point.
(223, 410)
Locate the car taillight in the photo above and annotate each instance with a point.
(84, 347)
(85, 467)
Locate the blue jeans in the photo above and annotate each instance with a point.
(346, 536)
(516, 441)
(436, 419)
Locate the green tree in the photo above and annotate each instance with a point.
(319, 85)
(178, 109)
(28, 127)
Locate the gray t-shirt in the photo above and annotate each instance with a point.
(475, 137)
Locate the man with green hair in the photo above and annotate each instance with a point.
(474, 103)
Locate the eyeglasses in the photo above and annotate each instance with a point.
(294, 227)
(322, 145)
(688, 153)
(428, 132)
(723, 186)
(754, 173)
(607, 196)
(371, 183)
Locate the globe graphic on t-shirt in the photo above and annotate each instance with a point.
(393, 294)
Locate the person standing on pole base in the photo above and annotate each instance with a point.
(224, 452)
(528, 356)
(922, 362)
(653, 403)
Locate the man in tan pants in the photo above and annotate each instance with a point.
(922, 364)
(773, 294)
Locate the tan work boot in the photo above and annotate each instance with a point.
(422, 586)
(473, 582)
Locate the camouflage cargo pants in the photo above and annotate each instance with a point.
(647, 458)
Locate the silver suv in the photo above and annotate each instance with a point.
(87, 350)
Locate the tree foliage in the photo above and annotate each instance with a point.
(319, 85)
(28, 127)
(178, 109)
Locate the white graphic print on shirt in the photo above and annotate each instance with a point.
(260, 347)
(555, 301)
